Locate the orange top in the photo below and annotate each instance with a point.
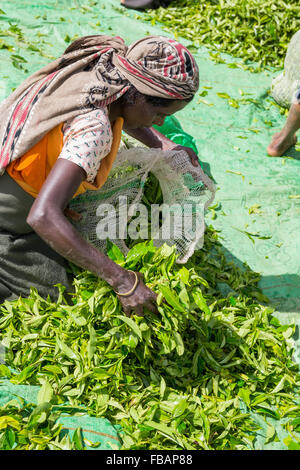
(31, 170)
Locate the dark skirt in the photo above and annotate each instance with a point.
(25, 259)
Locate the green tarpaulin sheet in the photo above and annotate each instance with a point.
(97, 433)
(231, 120)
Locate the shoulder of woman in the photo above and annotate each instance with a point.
(96, 118)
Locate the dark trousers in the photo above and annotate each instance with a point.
(25, 259)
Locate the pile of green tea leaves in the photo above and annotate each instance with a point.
(186, 378)
(254, 30)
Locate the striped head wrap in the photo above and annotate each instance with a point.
(93, 72)
(160, 66)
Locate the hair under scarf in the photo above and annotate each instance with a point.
(93, 72)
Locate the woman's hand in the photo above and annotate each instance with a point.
(142, 297)
(155, 139)
(172, 146)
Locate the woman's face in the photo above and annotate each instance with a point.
(144, 114)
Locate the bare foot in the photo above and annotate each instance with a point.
(280, 143)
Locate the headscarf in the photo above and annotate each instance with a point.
(93, 72)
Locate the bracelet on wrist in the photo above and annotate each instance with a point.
(125, 294)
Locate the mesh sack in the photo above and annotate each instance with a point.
(285, 85)
(186, 190)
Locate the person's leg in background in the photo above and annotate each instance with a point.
(286, 138)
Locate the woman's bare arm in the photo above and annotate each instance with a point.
(47, 218)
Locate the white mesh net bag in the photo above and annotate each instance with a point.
(116, 212)
(285, 85)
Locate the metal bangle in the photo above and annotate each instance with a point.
(134, 286)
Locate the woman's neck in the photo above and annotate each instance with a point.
(114, 111)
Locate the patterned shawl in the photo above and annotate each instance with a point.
(93, 72)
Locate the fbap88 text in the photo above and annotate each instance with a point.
(172, 459)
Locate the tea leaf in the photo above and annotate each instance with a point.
(45, 393)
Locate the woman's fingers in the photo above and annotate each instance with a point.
(195, 162)
(72, 214)
(152, 307)
(139, 311)
(127, 310)
(153, 296)
(193, 156)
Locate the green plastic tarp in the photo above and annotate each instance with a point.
(97, 433)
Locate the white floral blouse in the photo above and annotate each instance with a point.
(87, 140)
